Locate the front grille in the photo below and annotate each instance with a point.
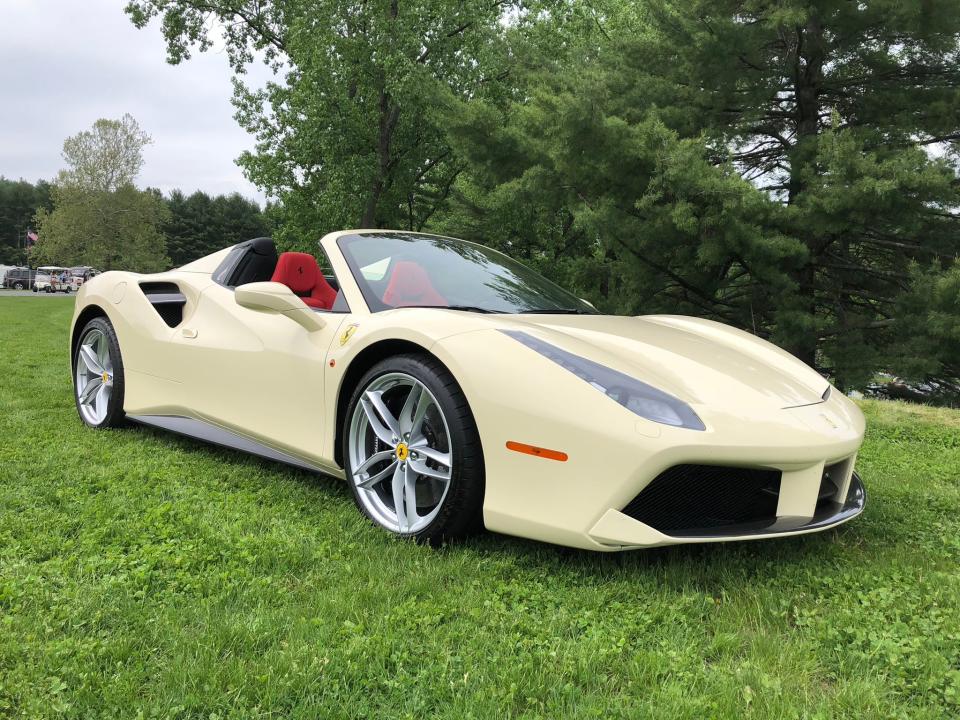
(691, 499)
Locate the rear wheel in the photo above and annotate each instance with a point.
(98, 375)
(412, 452)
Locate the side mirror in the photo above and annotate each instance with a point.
(278, 298)
(588, 303)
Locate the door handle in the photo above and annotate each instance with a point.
(189, 333)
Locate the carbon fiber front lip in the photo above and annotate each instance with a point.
(832, 514)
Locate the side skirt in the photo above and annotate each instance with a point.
(207, 432)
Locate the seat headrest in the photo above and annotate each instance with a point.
(298, 271)
(410, 285)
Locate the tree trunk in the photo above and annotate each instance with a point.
(388, 116)
(809, 58)
(387, 122)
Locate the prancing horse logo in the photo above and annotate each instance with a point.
(348, 333)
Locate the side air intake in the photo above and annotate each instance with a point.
(166, 299)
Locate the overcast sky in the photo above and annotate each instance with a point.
(66, 63)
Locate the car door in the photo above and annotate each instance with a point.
(257, 373)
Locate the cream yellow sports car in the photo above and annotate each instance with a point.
(454, 388)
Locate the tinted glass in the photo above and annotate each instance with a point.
(404, 270)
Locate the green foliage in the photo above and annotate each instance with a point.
(145, 575)
(928, 324)
(347, 134)
(765, 164)
(19, 202)
(105, 158)
(199, 224)
(774, 165)
(117, 230)
(99, 217)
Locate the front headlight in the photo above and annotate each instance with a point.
(636, 396)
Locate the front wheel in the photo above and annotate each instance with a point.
(98, 375)
(412, 452)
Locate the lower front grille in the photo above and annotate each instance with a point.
(691, 499)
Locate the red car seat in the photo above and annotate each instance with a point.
(301, 273)
(410, 285)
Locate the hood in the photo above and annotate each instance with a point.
(699, 361)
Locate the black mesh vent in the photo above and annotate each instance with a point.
(686, 499)
(830, 486)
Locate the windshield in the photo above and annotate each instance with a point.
(405, 270)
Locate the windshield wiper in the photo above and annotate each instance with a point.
(553, 311)
(468, 308)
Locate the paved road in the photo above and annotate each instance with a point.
(29, 293)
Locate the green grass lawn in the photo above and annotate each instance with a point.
(144, 575)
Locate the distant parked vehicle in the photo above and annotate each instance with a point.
(20, 278)
(83, 273)
(41, 282)
(53, 278)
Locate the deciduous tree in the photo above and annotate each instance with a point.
(117, 230)
(99, 217)
(106, 157)
(349, 132)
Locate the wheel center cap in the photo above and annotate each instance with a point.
(402, 451)
(105, 377)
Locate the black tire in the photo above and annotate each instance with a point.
(114, 417)
(461, 511)
(18, 286)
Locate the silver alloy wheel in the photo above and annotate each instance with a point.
(400, 453)
(94, 376)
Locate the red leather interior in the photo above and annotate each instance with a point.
(410, 285)
(301, 273)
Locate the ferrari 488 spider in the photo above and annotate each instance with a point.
(454, 388)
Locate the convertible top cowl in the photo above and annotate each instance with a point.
(206, 264)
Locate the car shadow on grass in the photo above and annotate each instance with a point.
(709, 566)
(238, 459)
(706, 567)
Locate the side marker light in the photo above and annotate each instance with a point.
(536, 451)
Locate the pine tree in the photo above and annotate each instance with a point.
(777, 166)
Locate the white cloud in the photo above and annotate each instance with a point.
(65, 63)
